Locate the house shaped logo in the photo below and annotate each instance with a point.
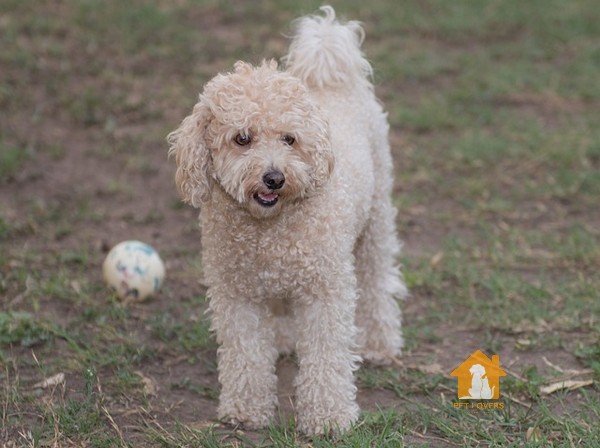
(479, 377)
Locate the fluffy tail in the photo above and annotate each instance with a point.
(326, 53)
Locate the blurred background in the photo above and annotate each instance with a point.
(495, 127)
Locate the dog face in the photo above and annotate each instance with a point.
(257, 135)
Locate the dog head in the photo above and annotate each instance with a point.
(257, 134)
(477, 370)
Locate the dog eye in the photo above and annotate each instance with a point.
(242, 139)
(288, 139)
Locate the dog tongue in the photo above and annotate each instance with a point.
(268, 196)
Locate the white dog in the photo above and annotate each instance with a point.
(292, 173)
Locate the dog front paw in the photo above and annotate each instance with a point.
(380, 358)
(247, 422)
(341, 421)
(246, 416)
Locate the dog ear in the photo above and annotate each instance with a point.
(187, 143)
(321, 155)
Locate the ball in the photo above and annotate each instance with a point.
(134, 270)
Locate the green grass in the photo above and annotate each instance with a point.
(191, 333)
(11, 160)
(494, 108)
(22, 328)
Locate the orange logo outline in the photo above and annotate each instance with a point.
(479, 377)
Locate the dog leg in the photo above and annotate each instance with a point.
(379, 284)
(246, 359)
(325, 390)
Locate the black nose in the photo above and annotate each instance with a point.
(274, 180)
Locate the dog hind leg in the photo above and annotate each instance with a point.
(380, 284)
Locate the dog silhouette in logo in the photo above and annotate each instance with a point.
(480, 386)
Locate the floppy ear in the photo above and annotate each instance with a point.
(187, 144)
(321, 154)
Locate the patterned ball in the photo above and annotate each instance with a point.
(134, 270)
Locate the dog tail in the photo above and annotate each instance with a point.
(326, 53)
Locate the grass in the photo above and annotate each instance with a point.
(11, 160)
(495, 118)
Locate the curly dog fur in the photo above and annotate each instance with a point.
(292, 172)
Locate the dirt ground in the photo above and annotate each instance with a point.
(95, 172)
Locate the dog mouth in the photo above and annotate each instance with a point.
(266, 199)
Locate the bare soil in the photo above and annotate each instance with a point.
(86, 186)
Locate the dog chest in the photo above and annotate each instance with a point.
(259, 264)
